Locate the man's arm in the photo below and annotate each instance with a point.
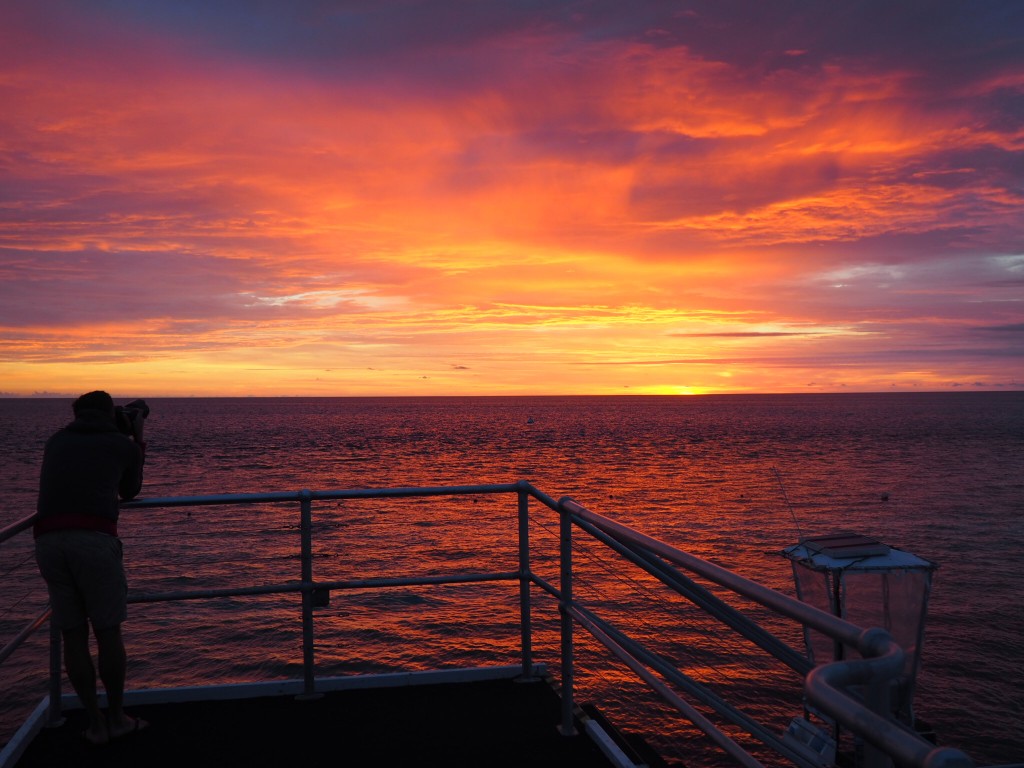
(131, 478)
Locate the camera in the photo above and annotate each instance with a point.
(126, 416)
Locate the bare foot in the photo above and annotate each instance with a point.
(96, 736)
(127, 725)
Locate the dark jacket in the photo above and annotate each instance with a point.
(88, 466)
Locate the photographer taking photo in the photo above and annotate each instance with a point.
(88, 467)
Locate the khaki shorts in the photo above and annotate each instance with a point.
(84, 573)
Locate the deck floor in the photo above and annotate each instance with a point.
(480, 724)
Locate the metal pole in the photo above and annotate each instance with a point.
(877, 699)
(306, 529)
(54, 717)
(565, 559)
(525, 626)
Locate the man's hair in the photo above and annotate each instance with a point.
(94, 401)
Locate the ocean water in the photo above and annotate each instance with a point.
(732, 479)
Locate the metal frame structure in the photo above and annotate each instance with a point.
(827, 687)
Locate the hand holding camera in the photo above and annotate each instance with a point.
(130, 419)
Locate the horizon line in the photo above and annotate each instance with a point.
(684, 395)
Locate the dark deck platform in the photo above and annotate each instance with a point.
(488, 723)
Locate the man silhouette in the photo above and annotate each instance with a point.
(88, 466)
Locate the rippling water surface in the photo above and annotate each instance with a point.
(732, 479)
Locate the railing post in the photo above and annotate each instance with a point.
(54, 716)
(877, 699)
(306, 532)
(525, 620)
(568, 678)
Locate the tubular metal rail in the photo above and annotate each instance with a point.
(828, 687)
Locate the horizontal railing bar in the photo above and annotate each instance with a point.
(547, 586)
(25, 633)
(400, 581)
(725, 743)
(297, 496)
(696, 689)
(13, 529)
(826, 688)
(298, 586)
(539, 495)
(806, 614)
(702, 598)
(213, 593)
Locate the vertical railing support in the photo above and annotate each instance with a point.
(54, 716)
(877, 699)
(565, 562)
(525, 618)
(306, 531)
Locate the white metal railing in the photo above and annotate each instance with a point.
(828, 686)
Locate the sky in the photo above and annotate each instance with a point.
(526, 197)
